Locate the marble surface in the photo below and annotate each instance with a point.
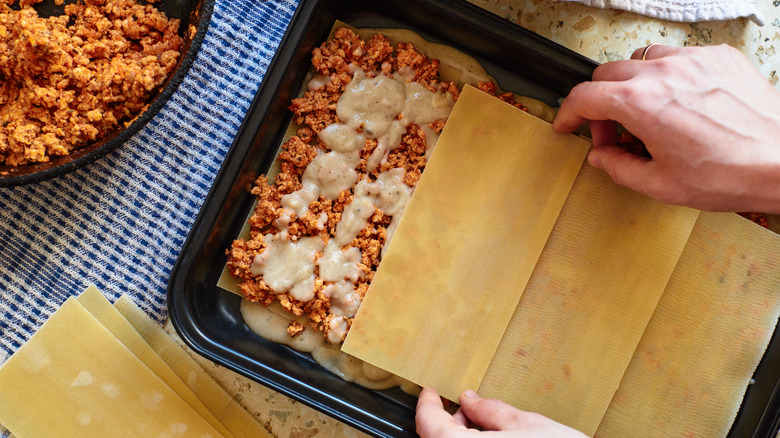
(602, 35)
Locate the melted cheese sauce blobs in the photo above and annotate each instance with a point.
(378, 107)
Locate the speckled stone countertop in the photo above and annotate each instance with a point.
(602, 35)
(609, 35)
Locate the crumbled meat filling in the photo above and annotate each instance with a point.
(313, 111)
(757, 218)
(295, 328)
(68, 81)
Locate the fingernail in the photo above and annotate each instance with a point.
(594, 160)
(469, 394)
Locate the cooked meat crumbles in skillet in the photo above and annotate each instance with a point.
(70, 80)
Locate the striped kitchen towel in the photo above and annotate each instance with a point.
(120, 222)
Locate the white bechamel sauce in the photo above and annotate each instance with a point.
(353, 219)
(337, 329)
(423, 107)
(385, 106)
(344, 301)
(392, 138)
(317, 82)
(381, 107)
(304, 289)
(387, 142)
(337, 264)
(288, 266)
(332, 173)
(271, 325)
(322, 219)
(374, 373)
(342, 138)
(390, 194)
(297, 202)
(327, 175)
(371, 102)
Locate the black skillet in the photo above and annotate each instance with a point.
(194, 14)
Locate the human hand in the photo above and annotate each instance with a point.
(709, 119)
(494, 416)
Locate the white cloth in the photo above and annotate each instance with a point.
(688, 11)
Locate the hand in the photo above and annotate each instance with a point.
(709, 120)
(491, 415)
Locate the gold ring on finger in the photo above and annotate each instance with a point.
(647, 49)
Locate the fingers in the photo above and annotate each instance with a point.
(654, 52)
(598, 100)
(617, 70)
(491, 414)
(589, 101)
(626, 169)
(603, 132)
(460, 418)
(431, 418)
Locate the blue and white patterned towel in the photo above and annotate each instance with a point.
(119, 223)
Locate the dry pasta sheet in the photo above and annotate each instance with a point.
(113, 372)
(578, 299)
(443, 285)
(582, 315)
(100, 388)
(706, 337)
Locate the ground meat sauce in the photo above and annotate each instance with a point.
(68, 81)
(326, 269)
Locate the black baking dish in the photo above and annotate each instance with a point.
(208, 318)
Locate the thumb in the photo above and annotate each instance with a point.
(491, 414)
(625, 168)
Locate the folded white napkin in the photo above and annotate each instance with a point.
(685, 10)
